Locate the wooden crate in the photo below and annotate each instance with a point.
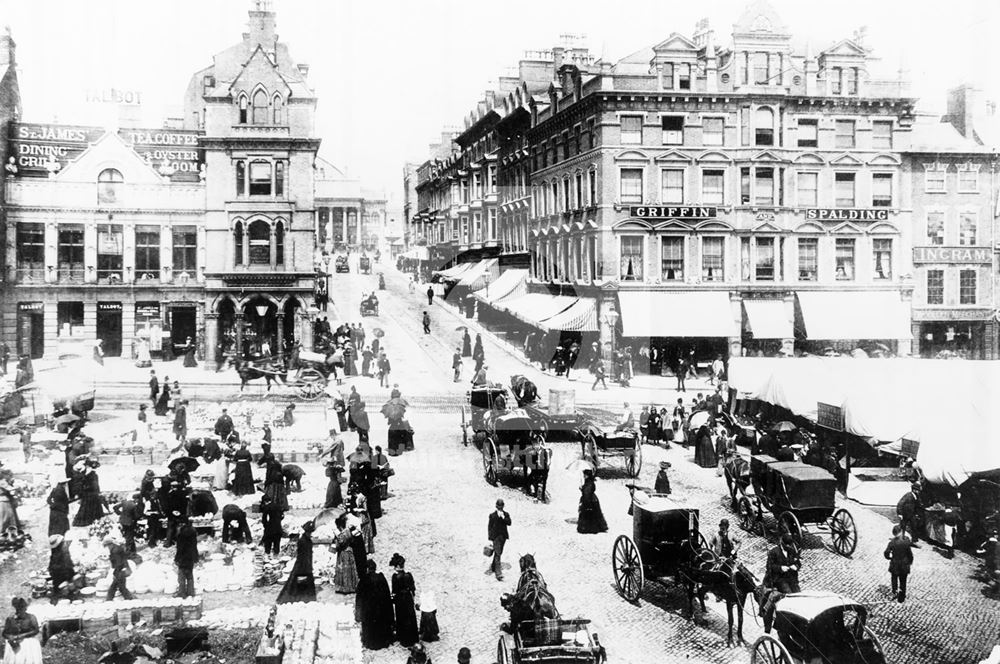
(266, 655)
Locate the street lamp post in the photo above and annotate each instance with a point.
(261, 310)
(611, 319)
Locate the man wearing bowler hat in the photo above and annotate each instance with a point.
(497, 533)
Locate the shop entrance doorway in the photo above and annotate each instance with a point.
(183, 324)
(31, 330)
(109, 327)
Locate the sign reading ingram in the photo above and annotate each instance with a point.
(959, 255)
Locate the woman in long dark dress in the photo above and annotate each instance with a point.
(477, 350)
(704, 451)
(301, 585)
(243, 477)
(466, 344)
(591, 518)
(274, 484)
(403, 590)
(58, 502)
(163, 400)
(189, 359)
(374, 608)
(334, 495)
(91, 501)
(653, 424)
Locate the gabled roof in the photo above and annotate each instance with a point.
(675, 42)
(760, 17)
(255, 71)
(111, 151)
(845, 47)
(636, 63)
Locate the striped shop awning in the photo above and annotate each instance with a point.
(581, 316)
(510, 284)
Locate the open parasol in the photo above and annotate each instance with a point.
(783, 426)
(187, 463)
(394, 409)
(698, 419)
(378, 332)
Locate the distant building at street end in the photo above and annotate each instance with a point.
(347, 215)
(952, 168)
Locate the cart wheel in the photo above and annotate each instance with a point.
(789, 523)
(633, 463)
(310, 384)
(589, 444)
(627, 567)
(465, 430)
(543, 429)
(745, 511)
(503, 651)
(843, 532)
(769, 650)
(490, 458)
(876, 643)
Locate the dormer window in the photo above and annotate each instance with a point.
(683, 77)
(260, 108)
(760, 75)
(668, 76)
(108, 182)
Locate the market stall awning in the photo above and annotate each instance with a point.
(454, 272)
(687, 314)
(417, 253)
(768, 319)
(510, 284)
(581, 316)
(476, 277)
(845, 315)
(536, 307)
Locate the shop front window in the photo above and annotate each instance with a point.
(69, 317)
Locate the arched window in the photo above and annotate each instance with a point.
(279, 243)
(243, 109)
(259, 107)
(241, 178)
(279, 178)
(276, 105)
(764, 126)
(238, 244)
(107, 185)
(260, 178)
(259, 233)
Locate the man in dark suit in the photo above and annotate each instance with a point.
(119, 569)
(781, 576)
(498, 535)
(129, 513)
(154, 386)
(907, 509)
(58, 502)
(223, 425)
(185, 557)
(234, 525)
(899, 553)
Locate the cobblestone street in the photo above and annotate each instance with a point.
(438, 513)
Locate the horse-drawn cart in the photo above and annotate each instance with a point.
(503, 435)
(795, 494)
(369, 306)
(553, 641)
(365, 265)
(598, 443)
(309, 380)
(819, 628)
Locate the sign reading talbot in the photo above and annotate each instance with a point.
(672, 212)
(958, 255)
(846, 214)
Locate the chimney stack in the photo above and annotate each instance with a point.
(966, 109)
(8, 48)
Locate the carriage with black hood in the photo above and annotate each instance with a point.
(505, 435)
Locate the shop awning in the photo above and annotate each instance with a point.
(453, 272)
(536, 307)
(510, 284)
(687, 314)
(768, 319)
(846, 315)
(581, 316)
(476, 276)
(417, 253)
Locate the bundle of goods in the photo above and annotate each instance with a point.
(268, 571)
(324, 636)
(103, 527)
(11, 540)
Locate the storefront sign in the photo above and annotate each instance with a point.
(928, 315)
(114, 96)
(43, 149)
(846, 214)
(109, 306)
(147, 310)
(175, 148)
(909, 448)
(953, 255)
(672, 212)
(30, 306)
(829, 416)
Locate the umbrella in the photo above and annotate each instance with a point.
(698, 419)
(327, 516)
(394, 409)
(859, 353)
(580, 465)
(783, 426)
(187, 463)
(460, 328)
(68, 418)
(378, 333)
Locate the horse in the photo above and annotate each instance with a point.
(729, 580)
(532, 599)
(248, 372)
(737, 472)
